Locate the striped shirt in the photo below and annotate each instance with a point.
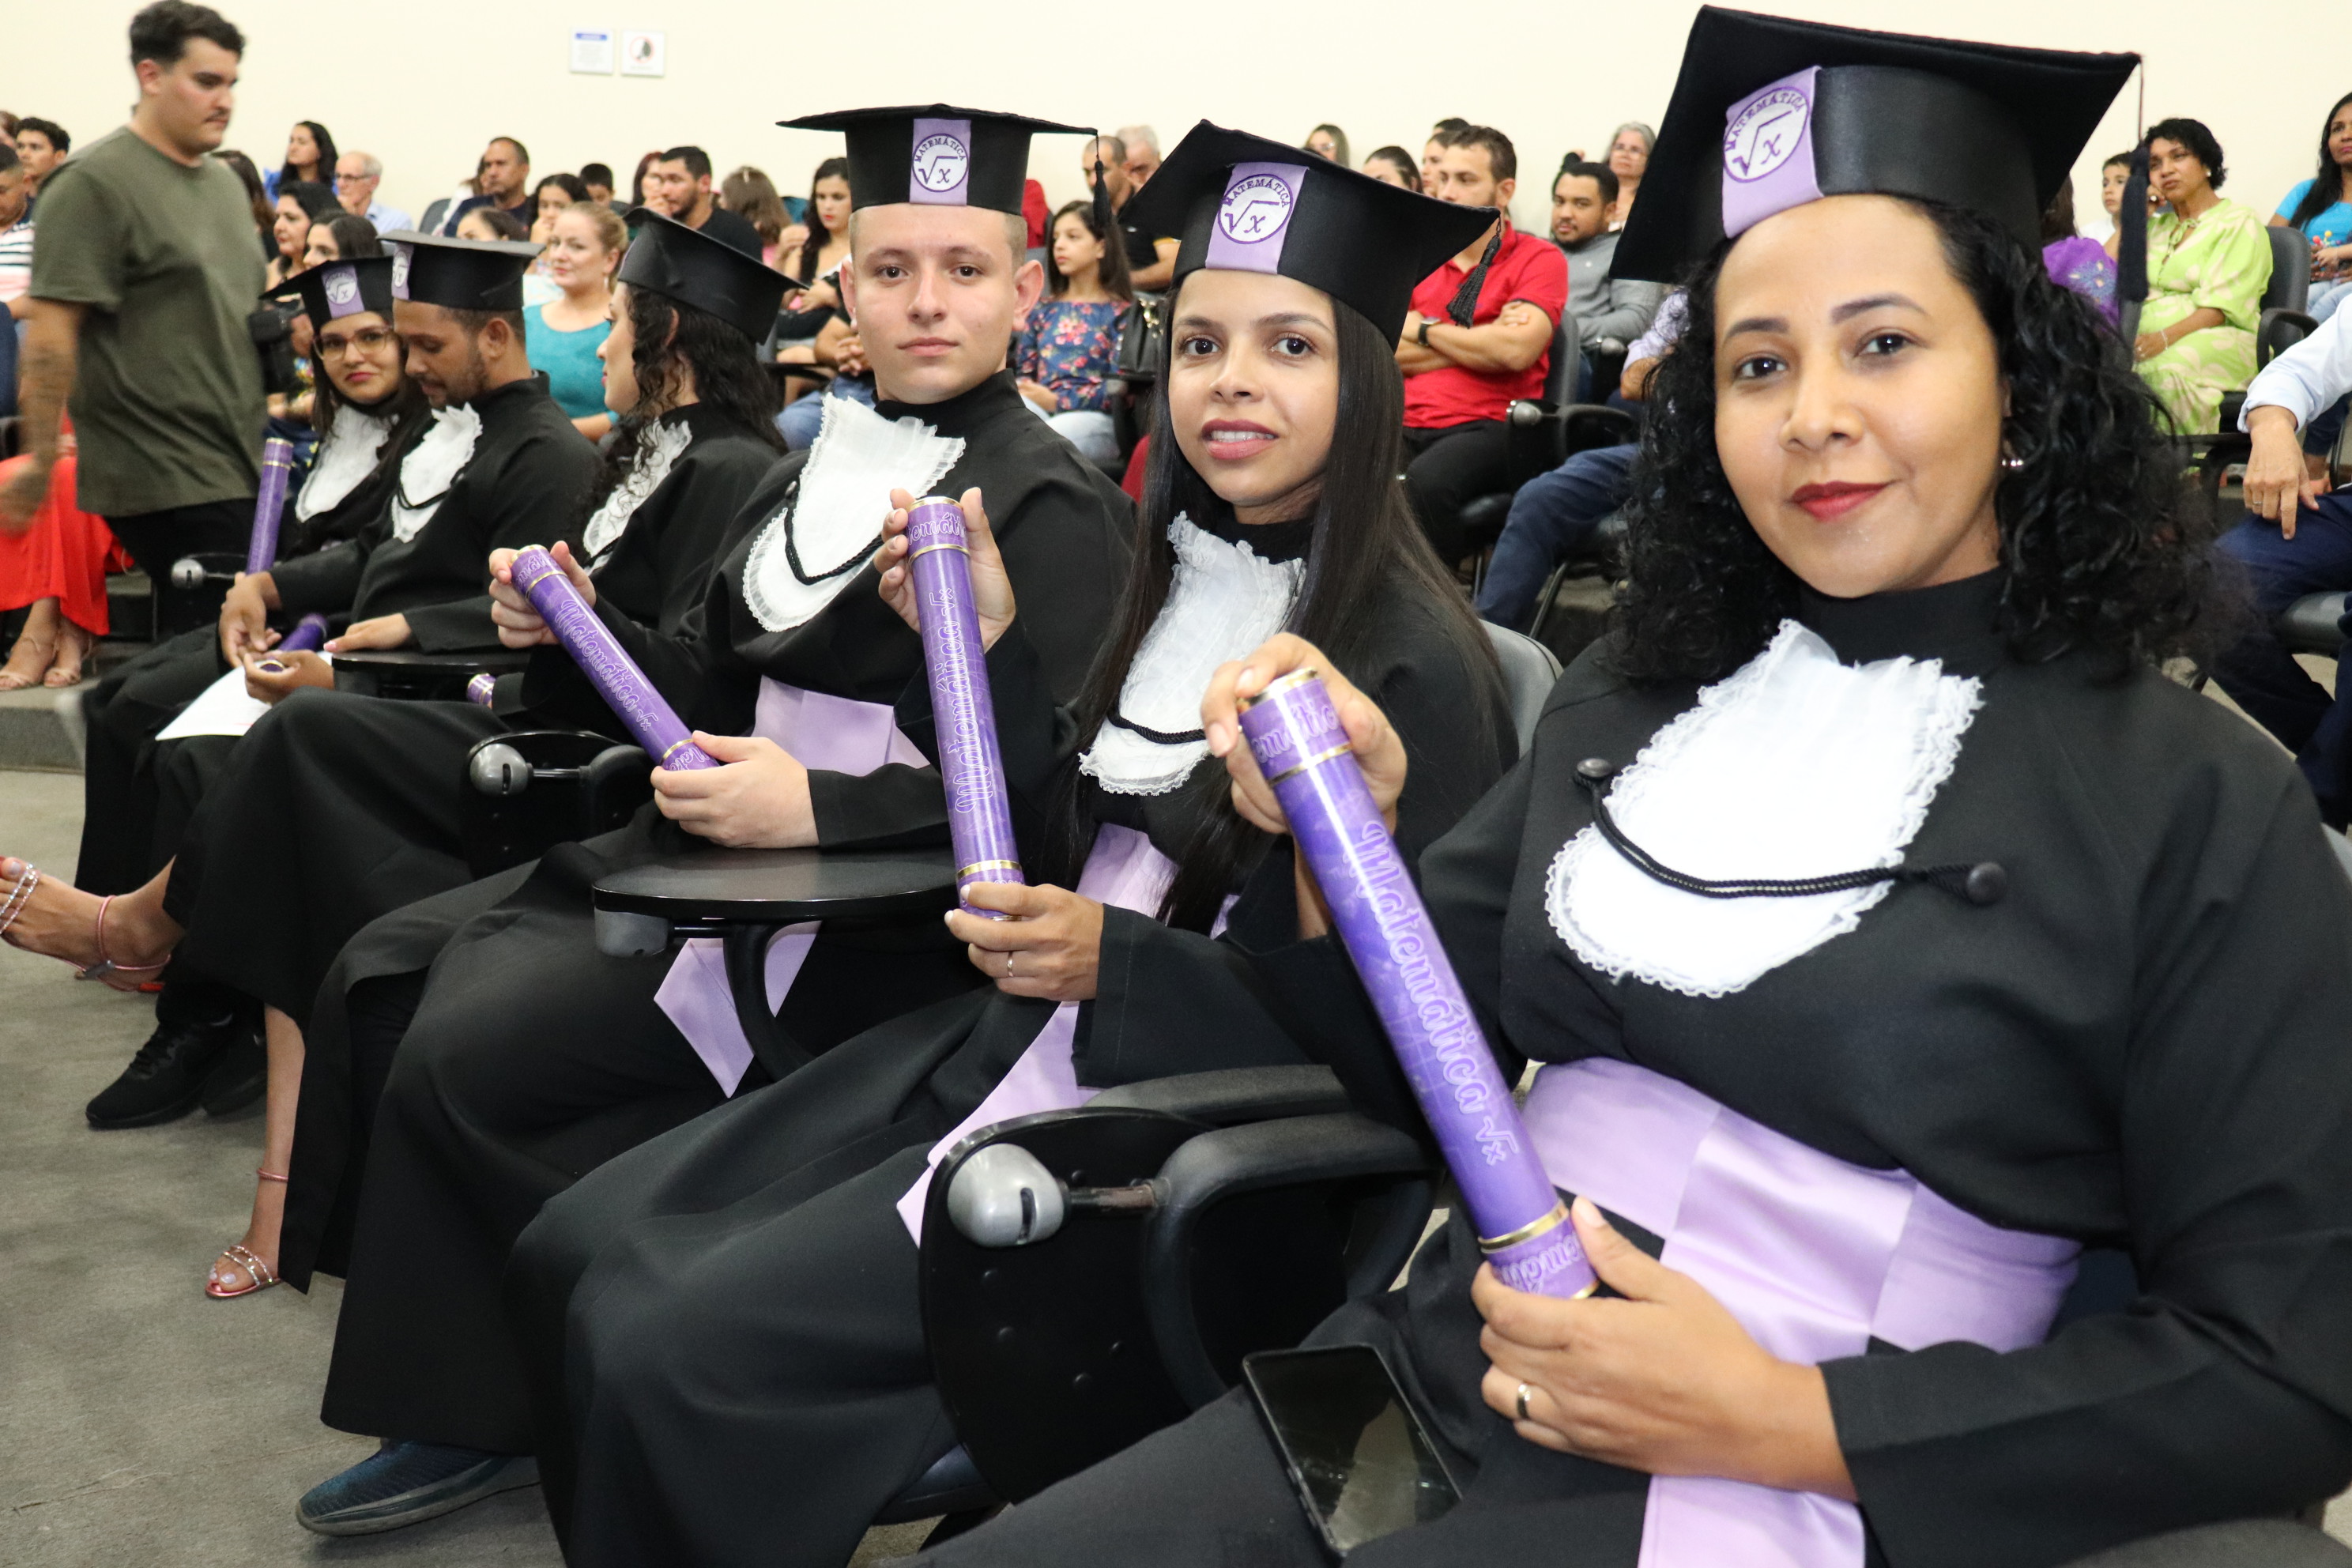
(17, 258)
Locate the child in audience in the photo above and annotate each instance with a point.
(1069, 350)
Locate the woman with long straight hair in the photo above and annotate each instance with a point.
(309, 155)
(1893, 933)
(794, 1342)
(2321, 207)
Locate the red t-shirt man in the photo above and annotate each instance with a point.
(1525, 268)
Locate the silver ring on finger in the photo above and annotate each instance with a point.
(1521, 1402)
(1008, 966)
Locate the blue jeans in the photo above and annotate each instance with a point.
(1549, 517)
(804, 416)
(2259, 673)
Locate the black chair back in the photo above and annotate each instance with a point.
(2290, 285)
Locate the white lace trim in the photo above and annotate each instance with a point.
(836, 507)
(431, 466)
(1224, 603)
(347, 454)
(1794, 765)
(659, 445)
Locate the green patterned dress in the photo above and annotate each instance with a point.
(2220, 260)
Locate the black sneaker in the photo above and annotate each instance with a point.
(240, 1077)
(166, 1079)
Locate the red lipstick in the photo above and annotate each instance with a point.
(1830, 501)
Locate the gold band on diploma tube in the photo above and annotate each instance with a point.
(535, 582)
(963, 872)
(1529, 1232)
(928, 549)
(1292, 772)
(674, 746)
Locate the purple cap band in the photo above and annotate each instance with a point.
(342, 289)
(1768, 152)
(1254, 219)
(939, 174)
(402, 256)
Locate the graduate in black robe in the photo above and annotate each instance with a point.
(532, 1058)
(1906, 559)
(773, 1237)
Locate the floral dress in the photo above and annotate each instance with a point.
(1071, 349)
(2221, 261)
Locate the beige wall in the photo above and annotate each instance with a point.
(423, 84)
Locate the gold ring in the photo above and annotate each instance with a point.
(1341, 749)
(1524, 1392)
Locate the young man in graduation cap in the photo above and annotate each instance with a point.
(791, 644)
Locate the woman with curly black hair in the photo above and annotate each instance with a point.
(1893, 934)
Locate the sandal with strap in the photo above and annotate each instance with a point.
(106, 969)
(74, 645)
(259, 1276)
(45, 647)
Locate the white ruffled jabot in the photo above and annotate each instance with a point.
(432, 465)
(347, 454)
(1794, 765)
(1224, 603)
(659, 446)
(833, 518)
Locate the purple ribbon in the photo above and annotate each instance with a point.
(609, 669)
(1768, 152)
(277, 466)
(939, 168)
(1254, 219)
(1523, 1227)
(979, 815)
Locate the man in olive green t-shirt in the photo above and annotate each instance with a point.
(146, 270)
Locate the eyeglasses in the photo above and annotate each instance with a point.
(367, 339)
(354, 179)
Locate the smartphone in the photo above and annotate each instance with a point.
(1362, 1462)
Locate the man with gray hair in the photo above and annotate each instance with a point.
(1142, 152)
(357, 174)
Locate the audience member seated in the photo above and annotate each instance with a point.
(55, 570)
(2074, 262)
(341, 238)
(43, 145)
(2114, 174)
(554, 195)
(1067, 351)
(357, 175)
(1478, 337)
(564, 334)
(300, 204)
(1435, 145)
(1608, 312)
(1629, 160)
(2208, 264)
(814, 328)
(598, 178)
(1553, 513)
(501, 180)
(1393, 166)
(15, 253)
(2296, 540)
(256, 195)
(678, 186)
(309, 155)
(749, 195)
(1142, 145)
(1150, 259)
(2322, 207)
(1328, 142)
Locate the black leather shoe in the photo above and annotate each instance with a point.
(166, 1079)
(241, 1075)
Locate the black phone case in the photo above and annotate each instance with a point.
(1299, 1485)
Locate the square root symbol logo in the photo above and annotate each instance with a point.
(940, 161)
(1764, 134)
(1256, 209)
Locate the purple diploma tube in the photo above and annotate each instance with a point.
(1295, 733)
(277, 466)
(980, 816)
(483, 686)
(609, 669)
(308, 633)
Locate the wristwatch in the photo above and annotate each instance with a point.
(1420, 336)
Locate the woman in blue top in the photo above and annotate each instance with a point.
(2322, 207)
(563, 335)
(1068, 351)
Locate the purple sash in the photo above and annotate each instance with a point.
(1124, 870)
(830, 733)
(1815, 1257)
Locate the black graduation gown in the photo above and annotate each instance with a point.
(126, 833)
(2141, 1048)
(763, 1240)
(532, 1059)
(338, 808)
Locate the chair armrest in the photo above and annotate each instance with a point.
(2279, 331)
(1234, 1095)
(1231, 1161)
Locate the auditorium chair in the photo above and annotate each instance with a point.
(2283, 324)
(1532, 436)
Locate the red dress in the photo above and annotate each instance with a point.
(64, 554)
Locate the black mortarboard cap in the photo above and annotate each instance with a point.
(1770, 113)
(337, 288)
(690, 266)
(1247, 204)
(935, 154)
(458, 274)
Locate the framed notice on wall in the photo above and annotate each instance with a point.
(592, 50)
(643, 53)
